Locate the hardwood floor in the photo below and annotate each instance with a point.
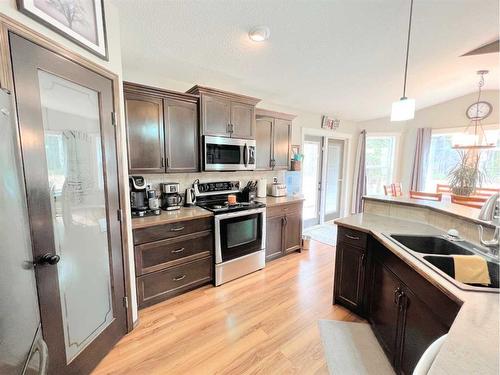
(263, 323)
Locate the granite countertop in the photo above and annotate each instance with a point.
(279, 201)
(166, 217)
(458, 210)
(473, 340)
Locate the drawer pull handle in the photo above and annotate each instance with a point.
(176, 229)
(179, 278)
(178, 250)
(352, 237)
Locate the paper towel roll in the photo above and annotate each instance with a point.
(262, 188)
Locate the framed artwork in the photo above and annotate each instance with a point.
(329, 123)
(81, 21)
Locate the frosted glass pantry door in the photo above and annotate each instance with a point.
(68, 146)
(71, 125)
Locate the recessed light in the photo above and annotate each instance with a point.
(259, 33)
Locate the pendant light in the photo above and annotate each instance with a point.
(404, 108)
(474, 137)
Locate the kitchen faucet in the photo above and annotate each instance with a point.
(492, 244)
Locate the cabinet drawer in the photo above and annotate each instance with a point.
(352, 237)
(283, 209)
(154, 256)
(160, 285)
(165, 231)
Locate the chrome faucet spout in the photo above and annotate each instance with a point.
(492, 244)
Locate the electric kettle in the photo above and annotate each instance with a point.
(189, 198)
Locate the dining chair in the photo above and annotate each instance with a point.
(475, 202)
(426, 196)
(397, 189)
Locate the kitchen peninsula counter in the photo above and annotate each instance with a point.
(471, 346)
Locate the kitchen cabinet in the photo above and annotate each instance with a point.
(273, 140)
(181, 136)
(145, 146)
(226, 114)
(350, 269)
(283, 230)
(173, 258)
(161, 126)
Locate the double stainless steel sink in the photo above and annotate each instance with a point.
(437, 252)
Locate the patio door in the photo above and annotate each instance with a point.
(311, 179)
(69, 155)
(333, 181)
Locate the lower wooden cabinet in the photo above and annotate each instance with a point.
(173, 258)
(283, 230)
(406, 312)
(160, 285)
(350, 276)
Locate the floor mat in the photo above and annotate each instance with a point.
(352, 349)
(325, 233)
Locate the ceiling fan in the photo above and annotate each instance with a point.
(492, 47)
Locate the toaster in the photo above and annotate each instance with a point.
(277, 190)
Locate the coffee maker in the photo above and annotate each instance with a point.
(138, 195)
(170, 197)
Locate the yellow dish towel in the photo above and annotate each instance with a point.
(471, 269)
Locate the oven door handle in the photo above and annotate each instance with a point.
(245, 155)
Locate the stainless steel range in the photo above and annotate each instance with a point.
(240, 230)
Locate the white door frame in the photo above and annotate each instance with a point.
(347, 138)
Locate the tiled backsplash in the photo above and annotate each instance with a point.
(186, 179)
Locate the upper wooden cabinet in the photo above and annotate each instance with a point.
(226, 114)
(181, 135)
(162, 130)
(274, 134)
(145, 146)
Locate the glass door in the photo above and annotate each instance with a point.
(69, 152)
(334, 173)
(311, 179)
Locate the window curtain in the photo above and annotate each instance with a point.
(359, 188)
(421, 159)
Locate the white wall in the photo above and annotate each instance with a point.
(449, 114)
(8, 8)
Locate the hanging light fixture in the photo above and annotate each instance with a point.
(404, 108)
(474, 137)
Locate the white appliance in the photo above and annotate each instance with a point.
(262, 188)
(228, 154)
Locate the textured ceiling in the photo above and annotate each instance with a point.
(343, 57)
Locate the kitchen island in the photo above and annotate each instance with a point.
(472, 344)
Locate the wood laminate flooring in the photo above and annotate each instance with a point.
(263, 323)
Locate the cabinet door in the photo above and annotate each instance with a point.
(420, 328)
(350, 276)
(242, 120)
(263, 139)
(384, 310)
(181, 136)
(281, 143)
(145, 143)
(274, 237)
(293, 231)
(216, 115)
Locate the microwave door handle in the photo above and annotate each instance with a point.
(245, 155)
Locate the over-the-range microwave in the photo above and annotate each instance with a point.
(228, 154)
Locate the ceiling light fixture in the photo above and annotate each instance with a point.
(404, 108)
(474, 136)
(259, 33)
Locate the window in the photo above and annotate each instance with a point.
(380, 153)
(442, 158)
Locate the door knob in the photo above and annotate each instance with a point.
(48, 259)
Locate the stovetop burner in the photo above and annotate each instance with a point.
(225, 207)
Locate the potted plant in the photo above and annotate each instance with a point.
(466, 175)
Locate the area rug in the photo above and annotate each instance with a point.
(351, 348)
(325, 233)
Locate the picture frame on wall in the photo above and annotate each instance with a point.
(329, 123)
(81, 21)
